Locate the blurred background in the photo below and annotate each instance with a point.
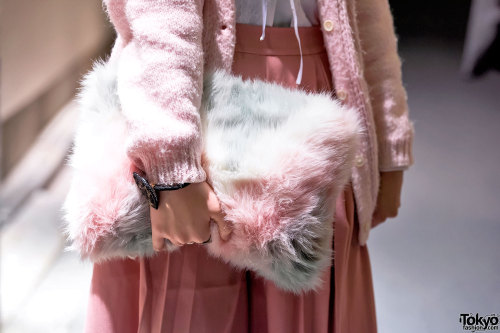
(439, 258)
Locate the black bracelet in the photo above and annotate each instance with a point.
(150, 190)
(162, 187)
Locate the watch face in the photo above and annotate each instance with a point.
(147, 190)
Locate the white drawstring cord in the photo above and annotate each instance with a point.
(264, 20)
(299, 75)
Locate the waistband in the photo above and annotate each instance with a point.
(278, 40)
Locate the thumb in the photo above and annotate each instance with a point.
(225, 227)
(218, 215)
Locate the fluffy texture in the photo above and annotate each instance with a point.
(106, 215)
(277, 159)
(155, 77)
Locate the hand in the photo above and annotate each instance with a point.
(389, 196)
(184, 216)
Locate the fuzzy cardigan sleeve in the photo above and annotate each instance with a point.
(160, 84)
(382, 71)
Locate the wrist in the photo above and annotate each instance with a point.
(152, 191)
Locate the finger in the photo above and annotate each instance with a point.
(218, 215)
(176, 242)
(202, 235)
(168, 243)
(209, 240)
(393, 213)
(158, 242)
(377, 218)
(181, 239)
(225, 228)
(158, 237)
(376, 222)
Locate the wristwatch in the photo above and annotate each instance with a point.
(151, 190)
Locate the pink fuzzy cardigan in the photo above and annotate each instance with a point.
(165, 46)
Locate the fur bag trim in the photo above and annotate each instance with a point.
(277, 158)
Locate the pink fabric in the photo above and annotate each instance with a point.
(190, 291)
(156, 39)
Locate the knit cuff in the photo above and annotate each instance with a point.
(178, 165)
(396, 154)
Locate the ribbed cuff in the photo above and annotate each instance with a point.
(176, 166)
(396, 154)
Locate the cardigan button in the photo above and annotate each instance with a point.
(359, 160)
(342, 95)
(223, 27)
(328, 25)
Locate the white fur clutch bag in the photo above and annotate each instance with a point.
(277, 159)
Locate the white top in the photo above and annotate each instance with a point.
(279, 13)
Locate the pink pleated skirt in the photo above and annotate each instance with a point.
(190, 291)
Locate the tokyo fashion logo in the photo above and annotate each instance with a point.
(473, 323)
